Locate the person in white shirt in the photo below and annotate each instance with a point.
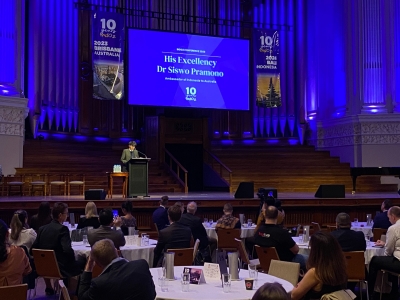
(20, 233)
(391, 259)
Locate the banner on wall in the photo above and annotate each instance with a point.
(108, 55)
(267, 68)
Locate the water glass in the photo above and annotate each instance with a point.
(164, 284)
(355, 221)
(367, 239)
(161, 275)
(185, 282)
(249, 222)
(253, 273)
(226, 282)
(211, 222)
(205, 221)
(85, 240)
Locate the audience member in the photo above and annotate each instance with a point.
(14, 264)
(390, 260)
(127, 220)
(55, 236)
(174, 236)
(105, 231)
(349, 240)
(20, 233)
(271, 235)
(326, 269)
(160, 215)
(181, 206)
(228, 221)
(91, 218)
(381, 220)
(120, 279)
(271, 291)
(197, 228)
(43, 217)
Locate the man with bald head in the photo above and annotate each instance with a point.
(120, 279)
(271, 235)
(197, 228)
(391, 259)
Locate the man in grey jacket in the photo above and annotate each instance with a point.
(128, 154)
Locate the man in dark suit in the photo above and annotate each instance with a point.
(381, 220)
(55, 236)
(196, 226)
(120, 279)
(105, 231)
(160, 215)
(175, 236)
(348, 239)
(128, 154)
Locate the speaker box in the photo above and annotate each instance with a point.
(330, 191)
(95, 194)
(245, 190)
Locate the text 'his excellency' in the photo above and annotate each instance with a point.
(191, 71)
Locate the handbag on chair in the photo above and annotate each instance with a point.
(339, 295)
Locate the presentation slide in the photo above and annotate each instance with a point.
(185, 70)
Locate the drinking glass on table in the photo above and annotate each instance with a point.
(226, 282)
(205, 221)
(211, 222)
(249, 222)
(185, 282)
(253, 273)
(367, 239)
(85, 240)
(355, 221)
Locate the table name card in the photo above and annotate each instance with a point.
(211, 271)
(196, 275)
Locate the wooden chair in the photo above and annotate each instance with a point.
(288, 271)
(14, 292)
(243, 254)
(226, 239)
(183, 256)
(356, 268)
(36, 183)
(378, 232)
(331, 228)
(76, 180)
(195, 249)
(265, 255)
(315, 227)
(15, 181)
(46, 265)
(64, 295)
(57, 180)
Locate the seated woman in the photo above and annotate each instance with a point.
(326, 269)
(43, 217)
(14, 263)
(271, 291)
(91, 218)
(20, 233)
(127, 220)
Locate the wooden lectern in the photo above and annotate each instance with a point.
(138, 177)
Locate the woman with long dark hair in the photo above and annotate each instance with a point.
(42, 218)
(127, 220)
(326, 267)
(20, 233)
(14, 263)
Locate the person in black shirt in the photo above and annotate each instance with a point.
(160, 215)
(349, 240)
(381, 220)
(271, 235)
(91, 218)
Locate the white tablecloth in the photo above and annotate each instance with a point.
(368, 254)
(362, 226)
(213, 290)
(246, 231)
(129, 252)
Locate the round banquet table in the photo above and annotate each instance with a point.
(245, 232)
(212, 289)
(368, 254)
(362, 226)
(129, 252)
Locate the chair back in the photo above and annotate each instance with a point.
(378, 232)
(242, 251)
(331, 228)
(288, 271)
(265, 255)
(355, 265)
(183, 256)
(226, 238)
(196, 248)
(46, 263)
(315, 227)
(14, 292)
(64, 295)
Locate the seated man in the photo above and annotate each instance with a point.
(349, 240)
(381, 220)
(174, 236)
(160, 215)
(271, 235)
(105, 231)
(120, 279)
(55, 236)
(228, 221)
(391, 260)
(196, 226)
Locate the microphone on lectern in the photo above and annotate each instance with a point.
(145, 156)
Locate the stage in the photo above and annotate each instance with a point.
(300, 208)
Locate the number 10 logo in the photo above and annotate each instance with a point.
(191, 91)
